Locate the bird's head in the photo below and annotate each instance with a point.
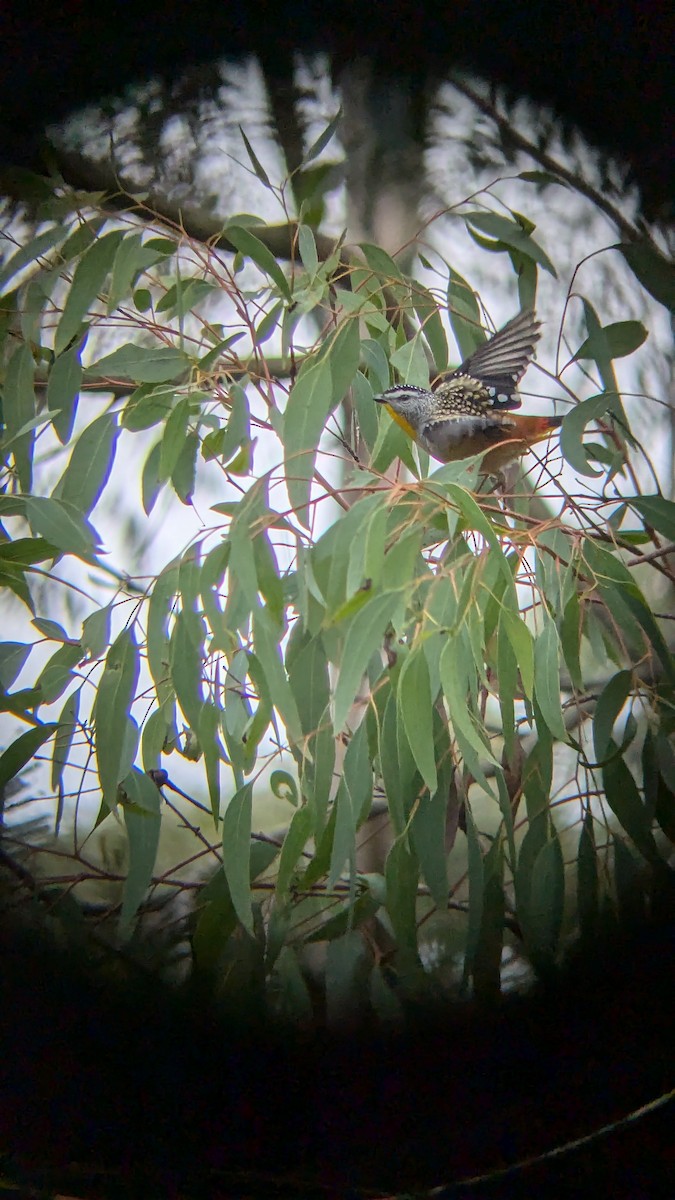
(413, 404)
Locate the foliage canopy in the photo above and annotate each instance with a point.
(379, 640)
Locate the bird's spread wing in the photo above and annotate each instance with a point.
(502, 361)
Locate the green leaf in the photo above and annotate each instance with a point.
(657, 511)
(300, 830)
(324, 138)
(514, 628)
(67, 724)
(13, 656)
(570, 636)
(587, 881)
(175, 430)
(19, 411)
(411, 362)
(14, 580)
(207, 730)
(350, 917)
(63, 390)
(476, 890)
(547, 679)
(62, 525)
(574, 427)
(114, 697)
(30, 252)
(51, 629)
(96, 632)
(353, 803)
(24, 552)
(306, 414)
(161, 604)
(401, 872)
(251, 246)
(610, 702)
(307, 248)
(619, 340)
(487, 960)
(432, 326)
(184, 296)
(58, 672)
(142, 364)
(320, 386)
(186, 660)
(255, 162)
(627, 805)
(184, 473)
(88, 278)
(364, 635)
(284, 787)
(237, 853)
(511, 234)
(131, 258)
(416, 712)
(464, 314)
(453, 666)
(310, 684)
(143, 824)
(428, 830)
(21, 751)
(148, 405)
(545, 904)
(318, 765)
(90, 464)
(266, 643)
(653, 270)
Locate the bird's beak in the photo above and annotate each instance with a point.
(380, 399)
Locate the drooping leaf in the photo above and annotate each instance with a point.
(574, 427)
(654, 271)
(364, 635)
(401, 873)
(547, 679)
(21, 751)
(299, 832)
(114, 697)
(619, 339)
(251, 246)
(237, 853)
(90, 464)
(657, 511)
(19, 411)
(627, 805)
(587, 880)
(63, 389)
(416, 712)
(476, 891)
(143, 822)
(58, 672)
(610, 702)
(13, 656)
(30, 252)
(142, 364)
(88, 278)
(63, 525)
(266, 643)
(324, 138)
(511, 233)
(546, 900)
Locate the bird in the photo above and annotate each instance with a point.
(470, 410)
